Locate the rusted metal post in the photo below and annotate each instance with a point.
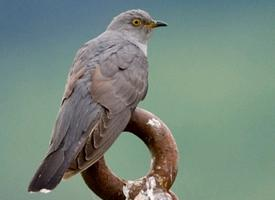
(157, 183)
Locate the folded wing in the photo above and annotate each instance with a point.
(102, 91)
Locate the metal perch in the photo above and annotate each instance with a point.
(157, 183)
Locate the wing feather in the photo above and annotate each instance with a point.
(104, 86)
(119, 93)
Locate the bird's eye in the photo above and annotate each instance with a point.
(136, 22)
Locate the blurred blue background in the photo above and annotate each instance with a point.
(212, 80)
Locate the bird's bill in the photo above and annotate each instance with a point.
(160, 23)
(155, 24)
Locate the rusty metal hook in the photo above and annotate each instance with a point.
(157, 183)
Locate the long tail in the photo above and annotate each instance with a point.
(49, 173)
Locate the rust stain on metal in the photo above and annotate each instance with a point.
(159, 139)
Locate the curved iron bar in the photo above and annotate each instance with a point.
(158, 138)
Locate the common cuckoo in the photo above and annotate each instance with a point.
(107, 80)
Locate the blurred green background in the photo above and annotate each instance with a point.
(212, 80)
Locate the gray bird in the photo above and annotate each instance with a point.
(107, 80)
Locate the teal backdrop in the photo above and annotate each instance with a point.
(212, 81)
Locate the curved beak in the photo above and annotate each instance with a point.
(155, 24)
(160, 23)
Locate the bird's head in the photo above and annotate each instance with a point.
(136, 24)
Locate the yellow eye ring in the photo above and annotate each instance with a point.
(136, 22)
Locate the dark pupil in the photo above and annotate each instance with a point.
(136, 22)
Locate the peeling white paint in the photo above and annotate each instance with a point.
(127, 188)
(154, 123)
(148, 193)
(150, 185)
(45, 191)
(126, 191)
(151, 191)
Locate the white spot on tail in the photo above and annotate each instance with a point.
(45, 191)
(154, 123)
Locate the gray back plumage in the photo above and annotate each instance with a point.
(107, 80)
(105, 84)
